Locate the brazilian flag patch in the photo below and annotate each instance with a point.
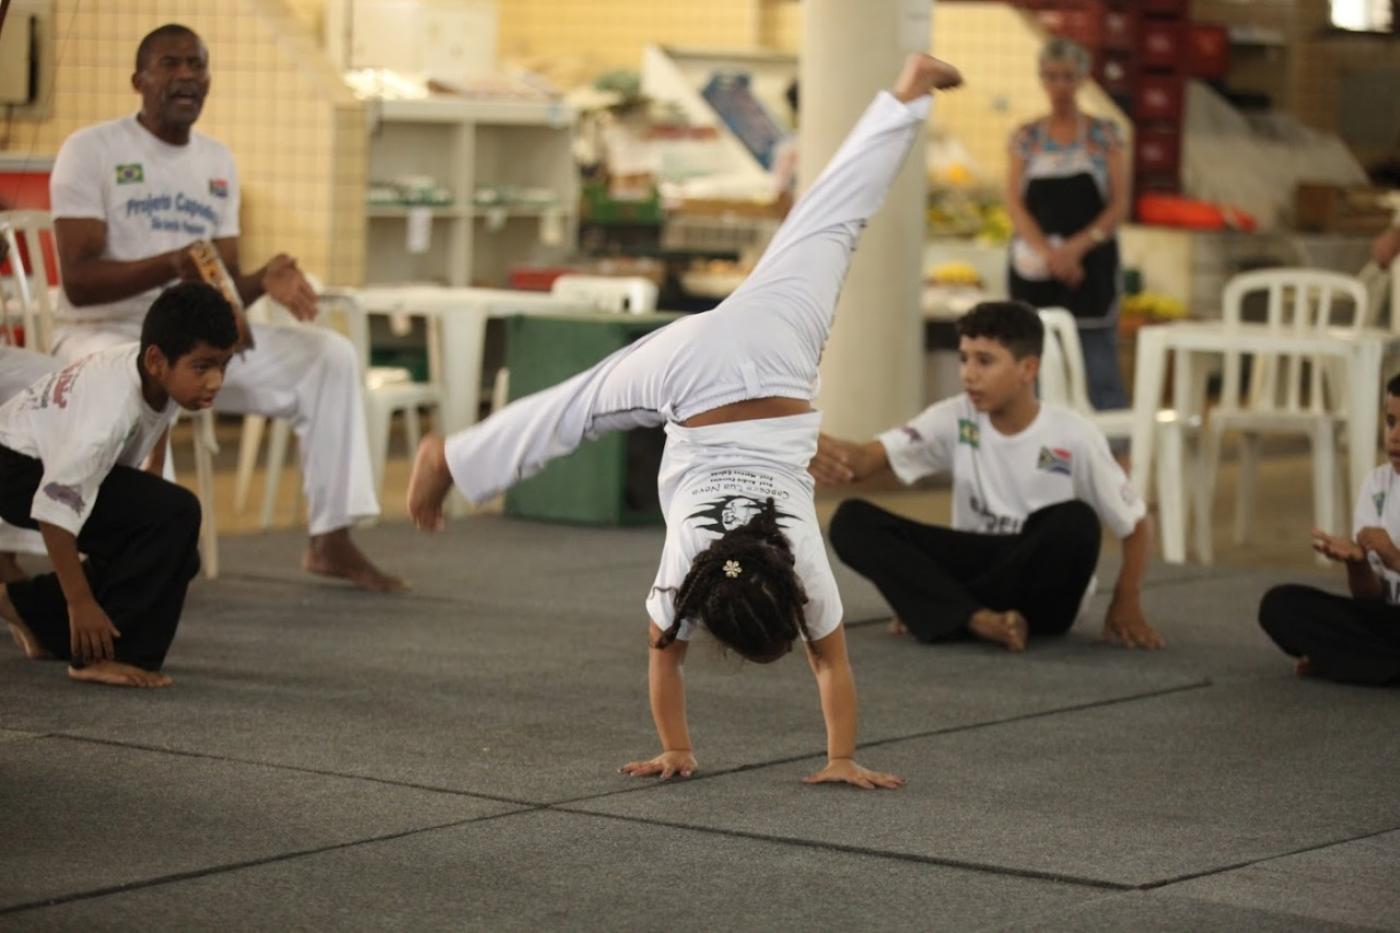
(130, 174)
(1379, 500)
(969, 433)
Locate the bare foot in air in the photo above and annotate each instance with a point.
(117, 674)
(19, 631)
(335, 555)
(429, 485)
(1003, 628)
(897, 627)
(923, 74)
(10, 570)
(1303, 667)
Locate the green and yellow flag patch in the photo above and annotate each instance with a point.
(968, 432)
(130, 174)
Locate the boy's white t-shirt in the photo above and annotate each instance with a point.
(80, 422)
(999, 479)
(1378, 505)
(154, 197)
(716, 478)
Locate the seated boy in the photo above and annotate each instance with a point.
(1030, 485)
(71, 448)
(1353, 639)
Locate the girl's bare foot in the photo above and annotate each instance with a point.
(1303, 667)
(334, 555)
(429, 485)
(897, 627)
(117, 674)
(1004, 628)
(922, 74)
(20, 632)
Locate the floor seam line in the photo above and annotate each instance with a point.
(1181, 879)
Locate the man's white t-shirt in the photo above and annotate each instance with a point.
(1378, 505)
(716, 478)
(999, 479)
(154, 197)
(80, 422)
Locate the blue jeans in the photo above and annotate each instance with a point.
(1101, 370)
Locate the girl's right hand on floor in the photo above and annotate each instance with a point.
(846, 771)
(90, 632)
(667, 765)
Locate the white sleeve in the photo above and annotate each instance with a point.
(76, 182)
(1100, 481)
(228, 223)
(1368, 510)
(78, 441)
(924, 445)
(661, 600)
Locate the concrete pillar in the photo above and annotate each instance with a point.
(872, 372)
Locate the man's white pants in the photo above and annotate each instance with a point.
(20, 369)
(307, 375)
(764, 341)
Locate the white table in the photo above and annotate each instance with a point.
(1361, 353)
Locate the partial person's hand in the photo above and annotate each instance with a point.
(90, 632)
(665, 765)
(923, 74)
(1064, 264)
(846, 771)
(1338, 549)
(284, 282)
(834, 464)
(1377, 540)
(184, 266)
(1125, 625)
(1385, 247)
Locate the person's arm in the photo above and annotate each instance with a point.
(1125, 623)
(89, 279)
(1385, 247)
(840, 462)
(280, 278)
(1362, 581)
(1021, 220)
(155, 463)
(666, 688)
(837, 687)
(90, 631)
(1113, 214)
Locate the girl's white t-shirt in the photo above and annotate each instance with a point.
(80, 422)
(1378, 505)
(717, 478)
(154, 198)
(1000, 479)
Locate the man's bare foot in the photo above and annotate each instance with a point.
(897, 627)
(1004, 628)
(335, 555)
(429, 485)
(117, 674)
(20, 632)
(1303, 667)
(922, 74)
(10, 570)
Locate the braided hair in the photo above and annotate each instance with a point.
(744, 588)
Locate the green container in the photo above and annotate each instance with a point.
(608, 481)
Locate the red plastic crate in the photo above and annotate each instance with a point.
(1159, 97)
(1115, 72)
(1162, 44)
(1120, 30)
(1158, 151)
(1081, 25)
(1180, 8)
(1209, 51)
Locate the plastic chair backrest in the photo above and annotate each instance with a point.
(26, 234)
(631, 293)
(1062, 377)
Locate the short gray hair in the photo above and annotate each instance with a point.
(1060, 49)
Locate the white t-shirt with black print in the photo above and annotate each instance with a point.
(154, 197)
(1000, 479)
(80, 422)
(1378, 505)
(716, 478)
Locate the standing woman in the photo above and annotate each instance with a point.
(1067, 192)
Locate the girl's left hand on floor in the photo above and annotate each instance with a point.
(846, 771)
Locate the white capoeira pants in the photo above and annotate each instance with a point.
(764, 341)
(307, 375)
(20, 369)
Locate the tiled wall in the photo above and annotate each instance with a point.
(272, 101)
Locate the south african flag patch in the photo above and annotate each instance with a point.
(130, 174)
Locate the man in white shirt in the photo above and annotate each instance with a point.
(1031, 483)
(129, 198)
(18, 369)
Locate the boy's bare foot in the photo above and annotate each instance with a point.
(1004, 628)
(334, 555)
(429, 485)
(117, 674)
(897, 627)
(10, 570)
(1303, 667)
(20, 632)
(923, 74)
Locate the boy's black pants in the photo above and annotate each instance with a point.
(1351, 640)
(141, 545)
(935, 578)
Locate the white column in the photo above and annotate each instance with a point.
(872, 372)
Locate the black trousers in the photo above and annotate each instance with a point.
(1354, 641)
(935, 578)
(141, 543)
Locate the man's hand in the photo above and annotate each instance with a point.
(284, 283)
(1125, 625)
(90, 632)
(1338, 549)
(846, 771)
(666, 764)
(1377, 540)
(1385, 247)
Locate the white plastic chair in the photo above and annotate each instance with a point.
(1063, 381)
(32, 229)
(1288, 394)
